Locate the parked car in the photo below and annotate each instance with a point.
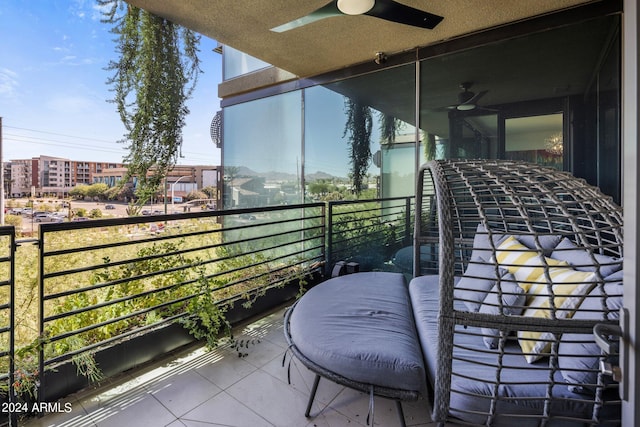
(109, 207)
(46, 217)
(80, 218)
(146, 212)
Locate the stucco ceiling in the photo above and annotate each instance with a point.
(336, 42)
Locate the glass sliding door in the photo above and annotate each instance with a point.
(536, 139)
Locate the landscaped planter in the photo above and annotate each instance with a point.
(140, 349)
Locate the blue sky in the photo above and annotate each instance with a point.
(53, 91)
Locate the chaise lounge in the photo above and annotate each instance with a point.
(530, 261)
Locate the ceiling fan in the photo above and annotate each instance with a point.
(389, 10)
(467, 100)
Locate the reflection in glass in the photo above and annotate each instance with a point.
(262, 152)
(237, 63)
(536, 139)
(388, 97)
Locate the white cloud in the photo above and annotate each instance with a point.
(8, 82)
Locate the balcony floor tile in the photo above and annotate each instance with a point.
(228, 386)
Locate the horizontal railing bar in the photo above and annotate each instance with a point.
(144, 276)
(115, 301)
(158, 290)
(121, 318)
(249, 278)
(233, 283)
(118, 319)
(48, 297)
(117, 338)
(271, 251)
(167, 237)
(156, 256)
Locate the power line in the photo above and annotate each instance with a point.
(43, 141)
(61, 134)
(56, 143)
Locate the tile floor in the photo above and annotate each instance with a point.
(196, 388)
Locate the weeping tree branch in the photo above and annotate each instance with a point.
(389, 127)
(155, 75)
(358, 128)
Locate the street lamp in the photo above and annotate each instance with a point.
(173, 184)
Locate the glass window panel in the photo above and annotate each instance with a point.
(262, 152)
(472, 100)
(387, 98)
(237, 63)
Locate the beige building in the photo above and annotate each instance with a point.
(180, 181)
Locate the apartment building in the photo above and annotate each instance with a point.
(51, 176)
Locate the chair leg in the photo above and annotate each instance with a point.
(313, 395)
(400, 413)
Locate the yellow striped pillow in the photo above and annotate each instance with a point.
(568, 289)
(525, 264)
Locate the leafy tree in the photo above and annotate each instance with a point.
(210, 191)
(195, 194)
(153, 78)
(320, 187)
(79, 191)
(97, 190)
(358, 129)
(120, 192)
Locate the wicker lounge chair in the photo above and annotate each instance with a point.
(529, 262)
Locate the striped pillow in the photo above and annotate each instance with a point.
(525, 264)
(568, 289)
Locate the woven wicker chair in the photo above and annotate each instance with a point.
(511, 342)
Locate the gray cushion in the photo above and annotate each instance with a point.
(513, 299)
(478, 279)
(523, 389)
(579, 355)
(403, 258)
(583, 260)
(361, 326)
(482, 246)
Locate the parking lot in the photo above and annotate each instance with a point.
(109, 209)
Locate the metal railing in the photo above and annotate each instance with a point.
(7, 318)
(104, 281)
(369, 231)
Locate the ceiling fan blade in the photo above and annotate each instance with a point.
(476, 97)
(391, 10)
(326, 11)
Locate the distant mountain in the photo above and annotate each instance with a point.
(321, 175)
(283, 176)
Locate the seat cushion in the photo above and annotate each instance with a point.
(523, 387)
(361, 326)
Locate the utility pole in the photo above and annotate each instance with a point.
(1, 179)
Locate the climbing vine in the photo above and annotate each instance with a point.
(154, 76)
